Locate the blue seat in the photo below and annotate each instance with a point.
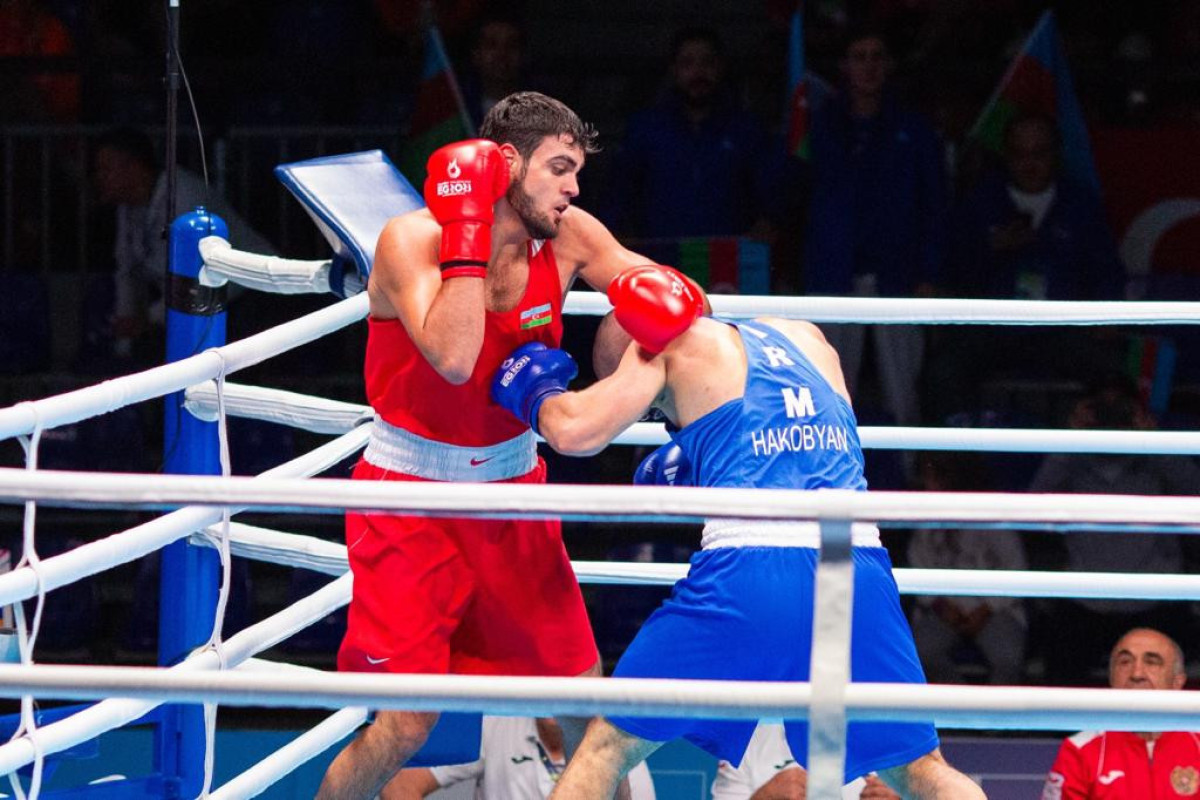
(350, 198)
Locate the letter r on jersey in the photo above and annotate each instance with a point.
(777, 356)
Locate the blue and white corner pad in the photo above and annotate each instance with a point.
(351, 197)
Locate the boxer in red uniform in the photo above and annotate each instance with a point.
(455, 288)
(1123, 765)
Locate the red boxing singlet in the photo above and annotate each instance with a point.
(434, 594)
(407, 392)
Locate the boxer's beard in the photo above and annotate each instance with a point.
(538, 226)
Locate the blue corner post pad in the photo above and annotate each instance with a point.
(350, 197)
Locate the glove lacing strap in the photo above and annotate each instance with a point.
(463, 269)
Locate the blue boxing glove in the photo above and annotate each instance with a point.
(533, 373)
(666, 466)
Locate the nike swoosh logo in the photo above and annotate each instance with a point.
(371, 660)
(475, 462)
(1111, 776)
(521, 759)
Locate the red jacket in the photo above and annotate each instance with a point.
(1117, 765)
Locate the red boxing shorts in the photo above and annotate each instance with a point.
(465, 596)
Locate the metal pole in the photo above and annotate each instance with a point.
(172, 106)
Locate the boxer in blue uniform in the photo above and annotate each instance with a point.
(759, 404)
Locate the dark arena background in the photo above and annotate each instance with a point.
(920, 151)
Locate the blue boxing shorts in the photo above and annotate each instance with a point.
(745, 613)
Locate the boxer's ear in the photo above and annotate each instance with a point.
(513, 156)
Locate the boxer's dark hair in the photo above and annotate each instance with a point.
(524, 119)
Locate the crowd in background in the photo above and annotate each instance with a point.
(891, 198)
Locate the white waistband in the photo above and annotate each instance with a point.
(399, 450)
(759, 533)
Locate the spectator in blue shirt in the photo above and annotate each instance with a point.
(1030, 233)
(695, 164)
(1027, 233)
(876, 215)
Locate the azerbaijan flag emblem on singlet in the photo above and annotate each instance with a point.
(536, 317)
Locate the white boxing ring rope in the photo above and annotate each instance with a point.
(110, 714)
(195, 678)
(1035, 708)
(330, 493)
(332, 560)
(320, 415)
(273, 274)
(291, 276)
(116, 393)
(616, 503)
(930, 311)
(129, 545)
(319, 555)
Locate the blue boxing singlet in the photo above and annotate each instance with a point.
(789, 430)
(744, 611)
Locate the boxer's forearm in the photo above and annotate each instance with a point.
(444, 318)
(583, 423)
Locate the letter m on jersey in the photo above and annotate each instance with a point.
(798, 402)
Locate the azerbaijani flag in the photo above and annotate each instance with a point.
(1151, 362)
(797, 107)
(1038, 81)
(439, 113)
(727, 264)
(723, 264)
(537, 316)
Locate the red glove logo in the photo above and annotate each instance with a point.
(465, 181)
(452, 187)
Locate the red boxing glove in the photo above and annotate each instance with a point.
(654, 304)
(465, 181)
